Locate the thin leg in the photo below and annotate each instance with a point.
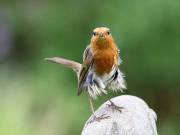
(95, 118)
(115, 107)
(91, 104)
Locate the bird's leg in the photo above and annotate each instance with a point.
(115, 107)
(91, 104)
(95, 118)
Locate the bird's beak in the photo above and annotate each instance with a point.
(101, 35)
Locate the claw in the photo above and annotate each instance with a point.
(98, 118)
(115, 107)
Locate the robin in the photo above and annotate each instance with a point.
(100, 69)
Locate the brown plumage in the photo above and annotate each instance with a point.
(105, 51)
(100, 64)
(105, 60)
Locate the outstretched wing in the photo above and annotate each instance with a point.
(87, 63)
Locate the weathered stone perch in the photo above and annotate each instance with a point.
(136, 118)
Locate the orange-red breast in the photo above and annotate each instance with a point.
(100, 70)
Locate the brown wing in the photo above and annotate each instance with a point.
(87, 63)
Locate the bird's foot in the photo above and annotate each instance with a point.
(98, 118)
(114, 107)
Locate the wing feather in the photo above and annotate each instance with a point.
(87, 63)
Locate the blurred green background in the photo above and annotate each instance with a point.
(39, 98)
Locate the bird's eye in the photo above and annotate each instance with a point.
(108, 33)
(94, 33)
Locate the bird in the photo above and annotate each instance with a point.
(100, 70)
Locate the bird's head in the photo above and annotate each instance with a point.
(101, 36)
